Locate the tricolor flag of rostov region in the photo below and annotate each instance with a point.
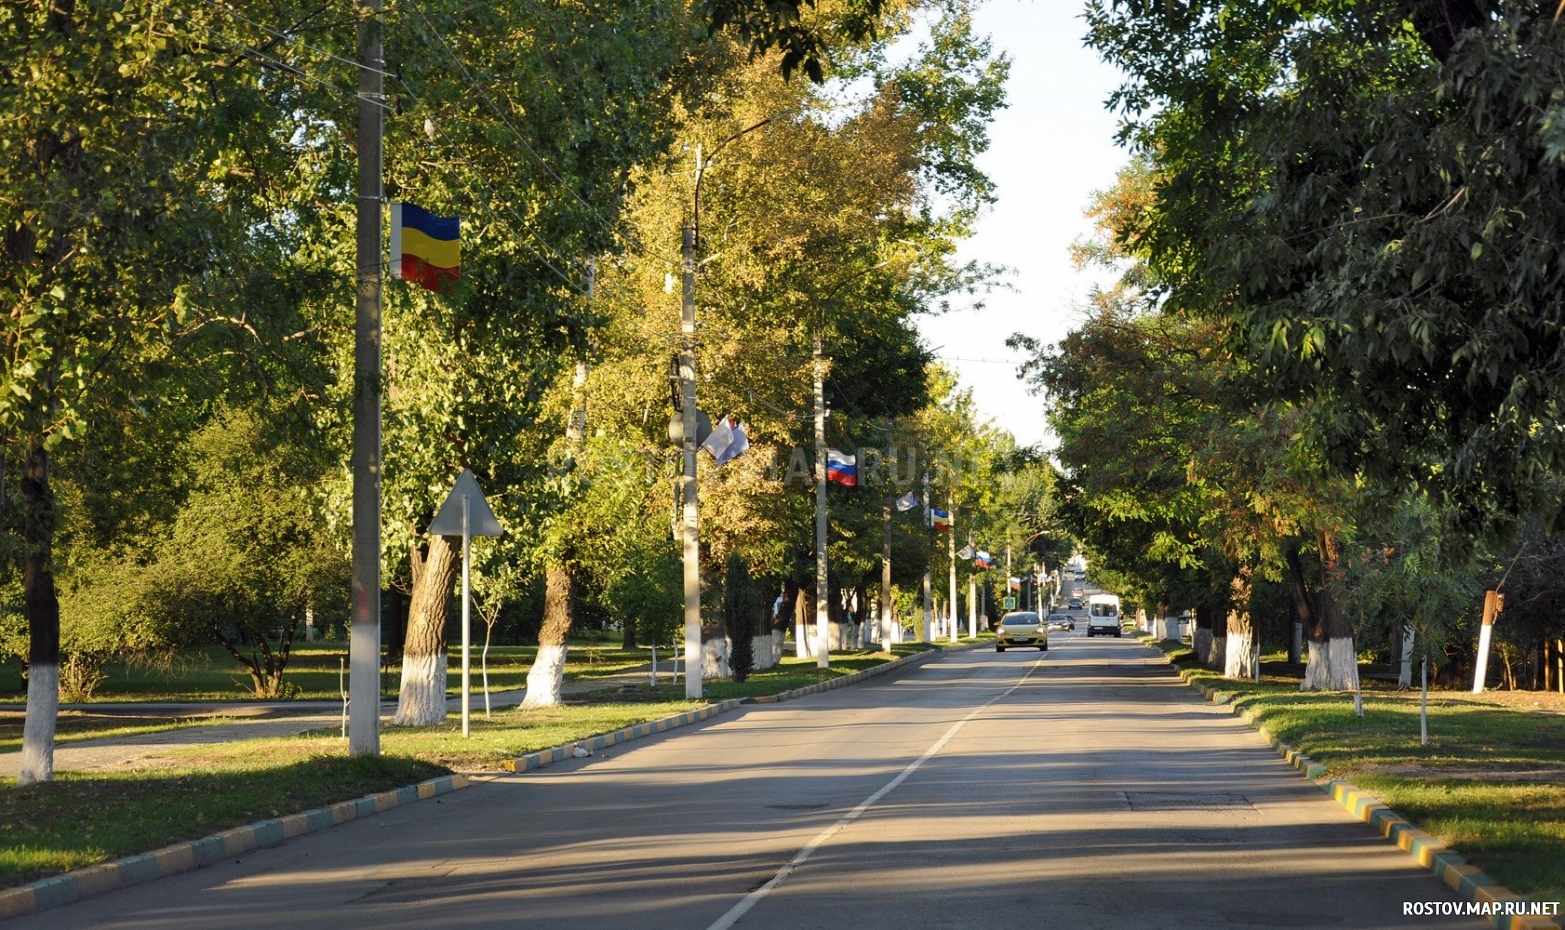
(939, 518)
(425, 248)
(842, 468)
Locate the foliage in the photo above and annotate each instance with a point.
(1367, 195)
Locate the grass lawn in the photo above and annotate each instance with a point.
(1491, 782)
(313, 673)
(78, 820)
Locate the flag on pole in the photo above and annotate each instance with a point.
(907, 502)
(727, 441)
(940, 519)
(1016, 583)
(843, 469)
(982, 559)
(425, 248)
(966, 552)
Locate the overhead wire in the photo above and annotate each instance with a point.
(284, 67)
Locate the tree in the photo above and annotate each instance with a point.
(141, 150)
(1369, 193)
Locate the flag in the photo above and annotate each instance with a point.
(907, 502)
(940, 519)
(966, 552)
(841, 468)
(981, 559)
(425, 248)
(727, 440)
(1016, 583)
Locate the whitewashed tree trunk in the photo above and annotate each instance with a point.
(1201, 643)
(546, 676)
(43, 705)
(714, 659)
(1333, 666)
(803, 626)
(1405, 675)
(422, 700)
(1239, 654)
(761, 647)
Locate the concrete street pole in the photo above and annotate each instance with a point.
(928, 570)
(951, 608)
(689, 521)
(822, 644)
(364, 636)
(885, 575)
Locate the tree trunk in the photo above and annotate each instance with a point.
(43, 623)
(421, 700)
(548, 671)
(803, 624)
(1303, 614)
(1333, 664)
(1239, 659)
(1405, 676)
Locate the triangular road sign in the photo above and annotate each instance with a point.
(481, 520)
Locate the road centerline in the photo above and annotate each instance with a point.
(753, 898)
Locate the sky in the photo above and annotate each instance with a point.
(1051, 148)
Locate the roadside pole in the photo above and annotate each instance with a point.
(364, 635)
(951, 546)
(690, 528)
(822, 644)
(928, 568)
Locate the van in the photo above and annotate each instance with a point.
(1103, 615)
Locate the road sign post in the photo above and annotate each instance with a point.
(465, 513)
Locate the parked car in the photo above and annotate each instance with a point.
(1021, 628)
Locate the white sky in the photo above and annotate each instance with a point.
(1051, 148)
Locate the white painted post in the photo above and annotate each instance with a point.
(467, 627)
(1493, 603)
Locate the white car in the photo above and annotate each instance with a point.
(1103, 615)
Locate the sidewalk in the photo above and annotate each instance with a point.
(257, 720)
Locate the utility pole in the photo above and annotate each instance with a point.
(364, 636)
(951, 546)
(885, 575)
(822, 646)
(928, 569)
(687, 401)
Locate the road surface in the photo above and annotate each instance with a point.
(1082, 788)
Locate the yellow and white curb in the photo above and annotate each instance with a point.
(543, 757)
(193, 854)
(1428, 850)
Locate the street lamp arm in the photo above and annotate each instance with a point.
(703, 162)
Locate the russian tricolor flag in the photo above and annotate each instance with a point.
(843, 469)
(425, 248)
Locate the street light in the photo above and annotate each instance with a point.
(691, 540)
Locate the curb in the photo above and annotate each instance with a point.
(543, 757)
(99, 879)
(1428, 850)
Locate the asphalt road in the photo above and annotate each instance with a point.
(1084, 788)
